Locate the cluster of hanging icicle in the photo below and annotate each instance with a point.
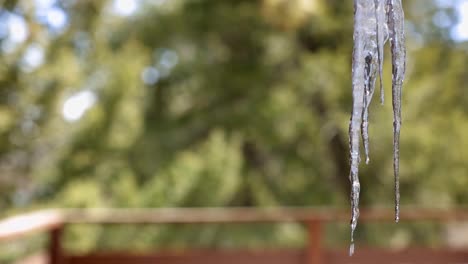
(375, 23)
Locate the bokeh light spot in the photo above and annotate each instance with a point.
(77, 105)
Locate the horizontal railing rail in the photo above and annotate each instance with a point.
(54, 221)
(29, 223)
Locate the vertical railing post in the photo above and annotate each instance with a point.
(314, 251)
(55, 245)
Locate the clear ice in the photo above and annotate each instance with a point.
(375, 22)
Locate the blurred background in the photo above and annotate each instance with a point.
(221, 103)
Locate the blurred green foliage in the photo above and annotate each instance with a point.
(218, 103)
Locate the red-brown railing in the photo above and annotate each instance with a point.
(54, 222)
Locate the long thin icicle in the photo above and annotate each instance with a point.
(397, 44)
(374, 22)
(363, 52)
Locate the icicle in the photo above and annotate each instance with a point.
(371, 31)
(397, 43)
(382, 34)
(364, 46)
(369, 88)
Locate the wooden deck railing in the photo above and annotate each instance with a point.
(54, 222)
